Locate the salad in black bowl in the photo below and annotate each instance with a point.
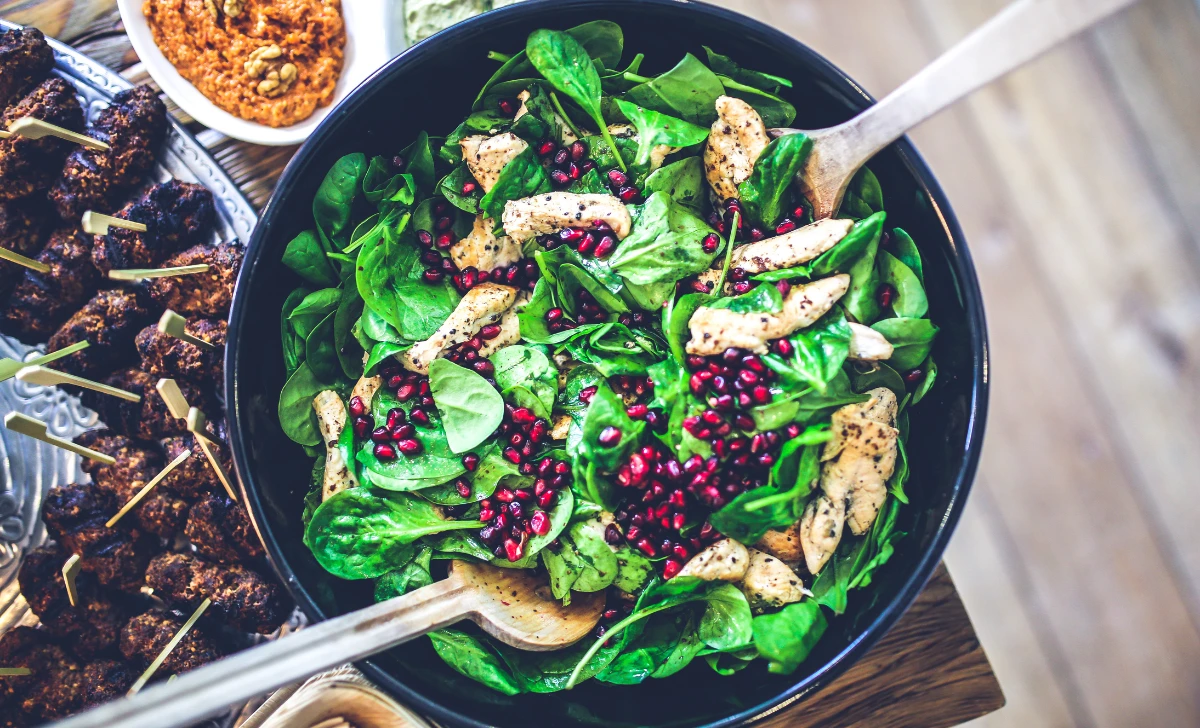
(589, 327)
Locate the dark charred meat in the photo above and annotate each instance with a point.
(145, 636)
(51, 690)
(205, 294)
(22, 230)
(161, 512)
(29, 165)
(193, 477)
(18, 647)
(92, 627)
(221, 531)
(148, 419)
(110, 321)
(25, 59)
(42, 301)
(166, 356)
(75, 516)
(133, 126)
(103, 681)
(176, 215)
(245, 599)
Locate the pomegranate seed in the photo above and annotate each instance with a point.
(578, 151)
(562, 157)
(799, 212)
(546, 148)
(646, 547)
(539, 523)
(671, 568)
(617, 178)
(513, 551)
(463, 488)
(432, 276)
(538, 431)
(384, 451)
(783, 347)
(506, 106)
(545, 500)
(504, 495)
(710, 242)
(785, 227)
(554, 314)
(381, 434)
(886, 295)
(569, 235)
(483, 367)
(489, 332)
(486, 514)
(512, 455)
(523, 416)
(469, 277)
(743, 421)
(425, 238)
(766, 460)
(470, 461)
(362, 425)
(637, 411)
(586, 245)
(757, 234)
(761, 394)
(419, 417)
(469, 188)
(606, 246)
(627, 193)
(403, 432)
(748, 377)
(609, 436)
(395, 416)
(586, 394)
(357, 408)
(410, 447)
(913, 376)
(573, 171)
(678, 521)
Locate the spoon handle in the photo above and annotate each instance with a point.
(1018, 34)
(207, 691)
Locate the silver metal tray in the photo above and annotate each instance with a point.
(28, 467)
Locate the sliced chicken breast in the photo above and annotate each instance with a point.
(486, 156)
(482, 250)
(544, 214)
(821, 530)
(331, 420)
(716, 329)
(510, 328)
(783, 545)
(725, 560)
(484, 304)
(737, 139)
(790, 249)
(769, 583)
(867, 344)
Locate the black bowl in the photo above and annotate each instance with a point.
(431, 87)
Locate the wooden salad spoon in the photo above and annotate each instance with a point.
(1018, 34)
(513, 605)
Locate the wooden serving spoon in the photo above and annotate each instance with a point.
(513, 605)
(1017, 35)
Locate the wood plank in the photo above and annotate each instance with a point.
(62, 19)
(928, 671)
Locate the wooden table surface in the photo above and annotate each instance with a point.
(930, 671)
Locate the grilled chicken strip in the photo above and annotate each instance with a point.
(331, 419)
(245, 599)
(28, 166)
(203, 294)
(41, 302)
(770, 583)
(544, 214)
(25, 60)
(162, 511)
(165, 356)
(148, 419)
(93, 626)
(510, 328)
(145, 636)
(716, 329)
(867, 344)
(482, 250)
(790, 249)
(737, 139)
(857, 464)
(109, 321)
(482, 305)
(221, 531)
(725, 560)
(75, 516)
(176, 215)
(134, 125)
(783, 545)
(486, 156)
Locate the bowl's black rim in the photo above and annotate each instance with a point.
(960, 260)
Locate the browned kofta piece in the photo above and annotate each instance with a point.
(75, 515)
(244, 599)
(92, 627)
(145, 636)
(133, 126)
(166, 356)
(28, 166)
(176, 215)
(17, 647)
(162, 512)
(25, 59)
(109, 321)
(221, 531)
(51, 690)
(42, 301)
(194, 477)
(103, 681)
(148, 419)
(203, 294)
(22, 230)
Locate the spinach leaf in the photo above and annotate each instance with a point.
(725, 66)
(768, 189)
(608, 410)
(633, 570)
(413, 575)
(376, 329)
(930, 367)
(551, 263)
(380, 353)
(527, 367)
(900, 474)
(296, 414)
(522, 177)
(494, 470)
(313, 309)
(862, 300)
(725, 624)
(307, 258)
(911, 337)
(293, 343)
(663, 247)
(349, 310)
(774, 111)
(906, 251)
(436, 464)
(689, 91)
(910, 301)
(471, 409)
(679, 314)
(614, 349)
(418, 158)
(787, 637)
(320, 353)
(604, 152)
(666, 645)
(334, 202)
(863, 197)
(532, 319)
(572, 279)
(589, 184)
(380, 184)
(603, 40)
(473, 657)
(682, 180)
(751, 514)
(656, 128)
(764, 298)
(879, 375)
(361, 533)
(820, 350)
(549, 672)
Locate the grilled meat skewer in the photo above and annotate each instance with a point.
(203, 294)
(103, 681)
(176, 215)
(51, 690)
(29, 165)
(243, 598)
(221, 531)
(91, 628)
(25, 60)
(166, 356)
(134, 125)
(75, 516)
(110, 321)
(145, 636)
(22, 230)
(41, 302)
(194, 477)
(148, 419)
(161, 512)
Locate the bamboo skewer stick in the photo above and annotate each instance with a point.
(336, 721)
(19, 259)
(141, 494)
(177, 404)
(197, 424)
(139, 274)
(32, 128)
(70, 571)
(95, 223)
(10, 367)
(15, 671)
(162, 656)
(49, 377)
(172, 324)
(24, 424)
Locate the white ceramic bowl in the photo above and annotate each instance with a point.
(369, 43)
